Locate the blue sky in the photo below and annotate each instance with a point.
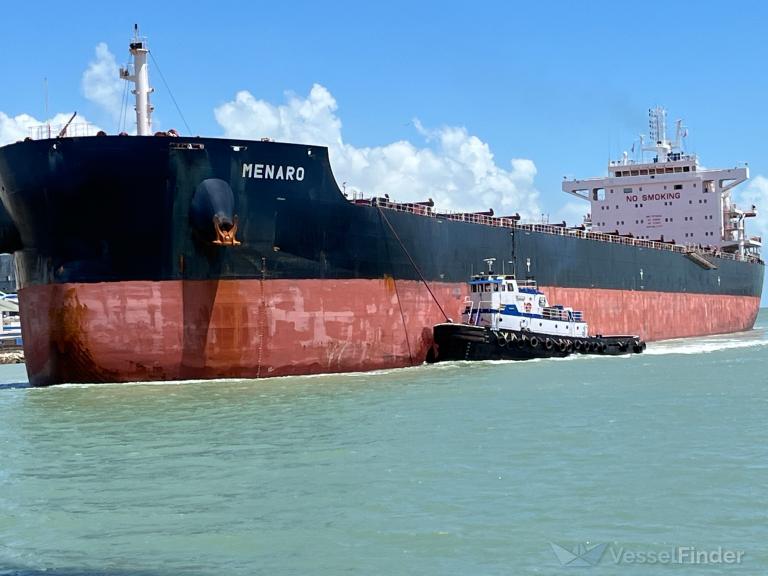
(560, 85)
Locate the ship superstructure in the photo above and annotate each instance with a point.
(664, 194)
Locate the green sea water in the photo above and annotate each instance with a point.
(486, 468)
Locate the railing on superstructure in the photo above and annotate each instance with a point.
(471, 310)
(508, 222)
(74, 130)
(555, 313)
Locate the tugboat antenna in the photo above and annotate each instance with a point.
(140, 77)
(490, 262)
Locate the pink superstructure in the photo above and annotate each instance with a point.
(667, 196)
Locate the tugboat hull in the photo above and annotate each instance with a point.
(466, 342)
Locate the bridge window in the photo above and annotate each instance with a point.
(678, 186)
(627, 190)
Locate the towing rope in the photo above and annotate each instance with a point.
(405, 251)
(402, 317)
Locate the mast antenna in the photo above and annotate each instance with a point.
(140, 78)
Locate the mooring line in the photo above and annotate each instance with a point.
(384, 216)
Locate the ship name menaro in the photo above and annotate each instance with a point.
(269, 172)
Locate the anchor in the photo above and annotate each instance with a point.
(225, 235)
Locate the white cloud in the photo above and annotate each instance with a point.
(15, 128)
(101, 82)
(571, 212)
(755, 192)
(455, 168)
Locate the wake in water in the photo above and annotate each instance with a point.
(700, 345)
(707, 344)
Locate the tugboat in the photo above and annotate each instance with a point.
(509, 319)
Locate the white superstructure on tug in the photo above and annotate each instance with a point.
(501, 302)
(667, 196)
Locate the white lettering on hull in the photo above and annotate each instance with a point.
(273, 172)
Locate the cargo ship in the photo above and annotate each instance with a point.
(166, 257)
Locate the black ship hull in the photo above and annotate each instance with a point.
(122, 279)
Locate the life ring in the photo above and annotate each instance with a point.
(527, 307)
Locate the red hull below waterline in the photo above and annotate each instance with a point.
(177, 330)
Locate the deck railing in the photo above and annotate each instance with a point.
(512, 223)
(76, 129)
(561, 314)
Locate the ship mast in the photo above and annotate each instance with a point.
(657, 125)
(140, 77)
